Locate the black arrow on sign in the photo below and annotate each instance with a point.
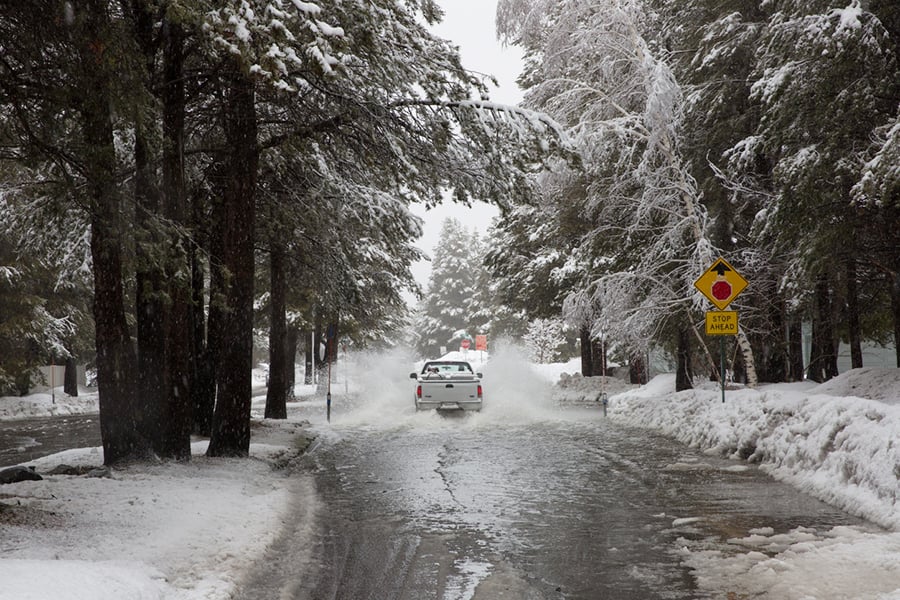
(720, 268)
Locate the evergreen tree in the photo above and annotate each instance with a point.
(594, 68)
(543, 339)
(445, 314)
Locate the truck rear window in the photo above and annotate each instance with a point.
(448, 368)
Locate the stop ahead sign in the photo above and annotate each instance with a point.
(721, 283)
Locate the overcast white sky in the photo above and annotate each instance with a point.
(470, 25)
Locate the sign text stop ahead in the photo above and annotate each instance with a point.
(721, 322)
(721, 283)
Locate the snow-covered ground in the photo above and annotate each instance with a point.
(166, 531)
(186, 531)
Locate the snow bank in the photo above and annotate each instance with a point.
(803, 564)
(837, 447)
(46, 405)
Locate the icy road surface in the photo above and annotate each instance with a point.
(524, 500)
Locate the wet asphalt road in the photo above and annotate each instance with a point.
(510, 503)
(27, 439)
(565, 506)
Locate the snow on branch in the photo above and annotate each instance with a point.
(274, 42)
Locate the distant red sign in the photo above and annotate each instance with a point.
(464, 344)
(481, 343)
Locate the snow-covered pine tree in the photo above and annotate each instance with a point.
(543, 339)
(447, 302)
(591, 67)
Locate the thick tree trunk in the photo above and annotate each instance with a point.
(177, 420)
(231, 420)
(855, 330)
(795, 349)
(587, 363)
(70, 378)
(276, 399)
(116, 361)
(772, 349)
(598, 358)
(203, 372)
(151, 313)
(637, 370)
(823, 357)
(151, 309)
(683, 374)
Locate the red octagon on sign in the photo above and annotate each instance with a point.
(464, 344)
(721, 290)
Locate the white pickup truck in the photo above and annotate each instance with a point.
(447, 385)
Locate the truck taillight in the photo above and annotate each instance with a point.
(419, 391)
(479, 390)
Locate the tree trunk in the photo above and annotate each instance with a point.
(855, 330)
(823, 359)
(291, 372)
(587, 363)
(321, 350)
(637, 370)
(116, 361)
(276, 399)
(308, 344)
(178, 403)
(747, 358)
(231, 420)
(203, 373)
(70, 378)
(151, 314)
(683, 374)
(795, 349)
(895, 309)
(598, 358)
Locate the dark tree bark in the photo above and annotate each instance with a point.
(598, 358)
(855, 330)
(683, 374)
(231, 420)
(177, 421)
(116, 359)
(637, 370)
(276, 398)
(151, 312)
(203, 371)
(795, 349)
(587, 363)
(772, 351)
(823, 356)
(70, 378)
(204, 330)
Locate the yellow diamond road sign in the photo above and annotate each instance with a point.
(721, 283)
